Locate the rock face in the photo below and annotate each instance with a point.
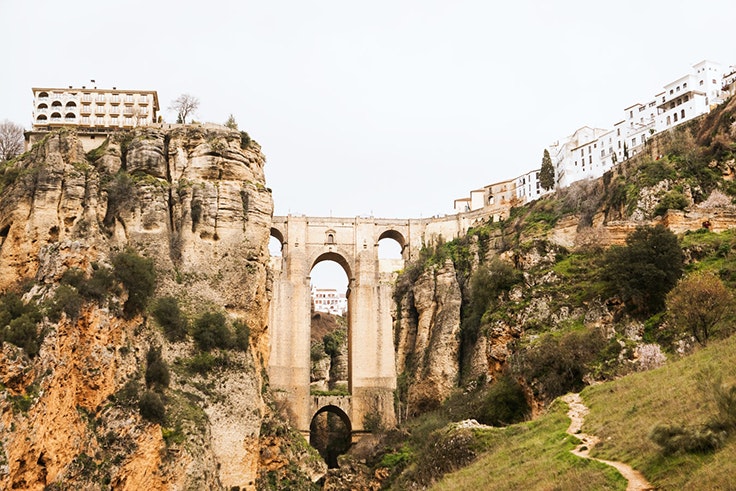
(191, 198)
(428, 340)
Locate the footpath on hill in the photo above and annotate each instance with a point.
(576, 413)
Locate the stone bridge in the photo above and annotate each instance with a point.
(353, 244)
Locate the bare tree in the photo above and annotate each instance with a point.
(11, 140)
(184, 105)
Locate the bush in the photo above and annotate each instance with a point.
(242, 335)
(173, 321)
(643, 271)
(700, 304)
(66, 300)
(99, 285)
(157, 373)
(210, 331)
(674, 200)
(556, 365)
(152, 408)
(137, 275)
(203, 363)
(676, 438)
(505, 403)
(128, 394)
(18, 323)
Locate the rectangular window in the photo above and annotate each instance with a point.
(100, 97)
(682, 114)
(633, 142)
(87, 97)
(128, 97)
(115, 98)
(590, 159)
(675, 117)
(643, 139)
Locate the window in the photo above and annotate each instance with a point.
(643, 139)
(633, 142)
(675, 117)
(590, 159)
(669, 121)
(115, 98)
(682, 114)
(128, 97)
(86, 108)
(43, 106)
(684, 85)
(43, 95)
(101, 97)
(86, 97)
(701, 82)
(143, 99)
(603, 153)
(85, 119)
(100, 108)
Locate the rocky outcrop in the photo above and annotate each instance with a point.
(428, 338)
(193, 199)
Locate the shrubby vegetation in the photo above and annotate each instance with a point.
(644, 270)
(19, 323)
(173, 321)
(138, 276)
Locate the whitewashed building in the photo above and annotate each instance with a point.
(329, 300)
(528, 187)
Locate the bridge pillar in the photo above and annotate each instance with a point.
(290, 313)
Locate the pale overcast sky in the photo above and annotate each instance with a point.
(390, 108)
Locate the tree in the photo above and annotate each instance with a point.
(699, 304)
(547, 173)
(184, 105)
(11, 140)
(230, 123)
(645, 269)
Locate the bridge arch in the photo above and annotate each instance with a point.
(330, 433)
(395, 235)
(336, 257)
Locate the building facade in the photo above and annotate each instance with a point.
(329, 300)
(588, 153)
(91, 111)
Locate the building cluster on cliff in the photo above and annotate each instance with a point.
(589, 152)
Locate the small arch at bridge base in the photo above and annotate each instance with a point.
(330, 433)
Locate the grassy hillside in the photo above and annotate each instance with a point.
(535, 455)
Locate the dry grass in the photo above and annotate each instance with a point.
(533, 456)
(624, 412)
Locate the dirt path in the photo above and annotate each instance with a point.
(576, 413)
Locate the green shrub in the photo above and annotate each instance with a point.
(211, 331)
(128, 394)
(157, 372)
(99, 285)
(66, 300)
(137, 275)
(204, 362)
(676, 438)
(242, 335)
(645, 269)
(171, 318)
(152, 408)
(555, 365)
(18, 323)
(505, 403)
(674, 200)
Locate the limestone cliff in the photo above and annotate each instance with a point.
(193, 200)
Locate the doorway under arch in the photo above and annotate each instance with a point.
(330, 433)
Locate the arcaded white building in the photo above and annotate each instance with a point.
(93, 112)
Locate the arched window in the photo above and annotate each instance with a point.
(330, 239)
(41, 117)
(43, 105)
(43, 95)
(71, 104)
(56, 104)
(70, 116)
